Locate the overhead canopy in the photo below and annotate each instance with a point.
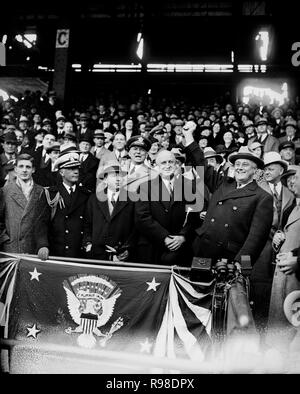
(16, 86)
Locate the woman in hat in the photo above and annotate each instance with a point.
(155, 148)
(257, 149)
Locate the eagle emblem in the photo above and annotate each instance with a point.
(91, 300)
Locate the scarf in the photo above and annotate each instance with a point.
(26, 187)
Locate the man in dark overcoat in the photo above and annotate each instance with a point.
(68, 203)
(164, 223)
(239, 216)
(109, 219)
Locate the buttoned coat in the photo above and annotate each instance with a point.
(262, 273)
(157, 216)
(238, 222)
(66, 226)
(284, 284)
(102, 228)
(25, 221)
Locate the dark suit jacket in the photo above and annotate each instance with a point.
(102, 229)
(66, 227)
(156, 219)
(87, 174)
(238, 222)
(89, 133)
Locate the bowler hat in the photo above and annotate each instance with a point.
(244, 153)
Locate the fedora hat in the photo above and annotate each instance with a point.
(255, 145)
(112, 167)
(274, 158)
(210, 153)
(245, 153)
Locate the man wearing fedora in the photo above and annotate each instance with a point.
(249, 131)
(269, 142)
(109, 230)
(287, 150)
(291, 133)
(9, 145)
(89, 164)
(286, 275)
(25, 128)
(84, 129)
(60, 126)
(98, 150)
(262, 273)
(233, 224)
(67, 201)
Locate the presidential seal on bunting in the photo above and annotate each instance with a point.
(91, 300)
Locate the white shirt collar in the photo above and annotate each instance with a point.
(167, 182)
(110, 193)
(68, 188)
(278, 187)
(243, 185)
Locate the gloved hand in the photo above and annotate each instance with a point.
(43, 253)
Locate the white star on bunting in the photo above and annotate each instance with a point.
(145, 346)
(33, 331)
(35, 275)
(152, 285)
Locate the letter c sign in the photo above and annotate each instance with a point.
(62, 38)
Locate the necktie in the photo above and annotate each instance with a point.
(171, 188)
(276, 199)
(82, 157)
(113, 199)
(132, 170)
(276, 195)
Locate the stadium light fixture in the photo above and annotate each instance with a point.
(263, 38)
(140, 48)
(261, 92)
